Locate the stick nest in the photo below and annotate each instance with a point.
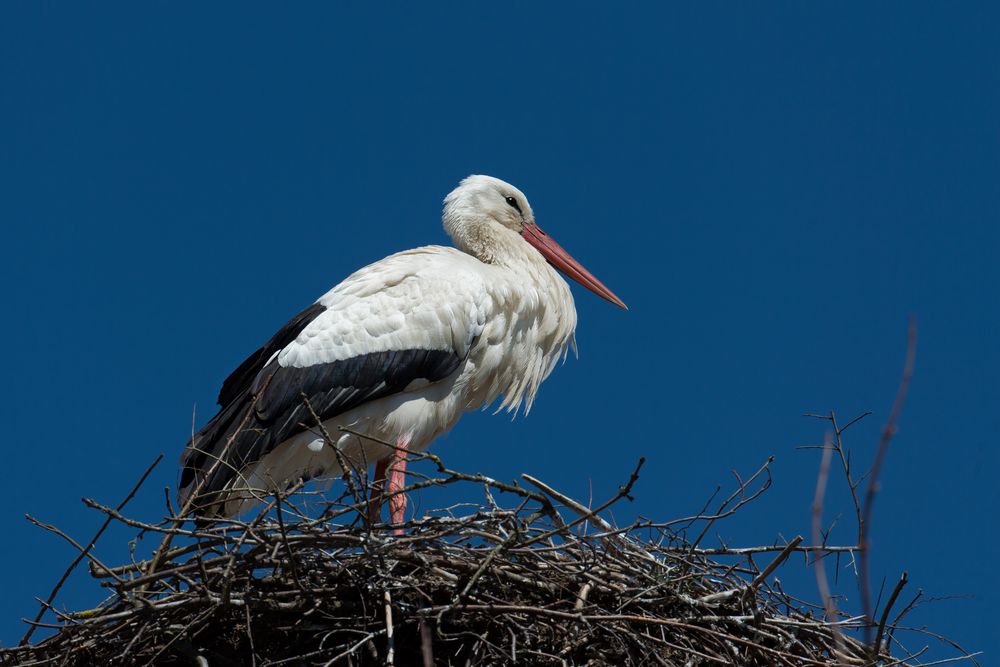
(523, 576)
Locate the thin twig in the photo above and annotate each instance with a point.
(864, 581)
(876, 646)
(85, 551)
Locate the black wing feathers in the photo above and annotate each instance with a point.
(243, 377)
(339, 386)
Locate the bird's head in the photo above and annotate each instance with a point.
(480, 201)
(490, 219)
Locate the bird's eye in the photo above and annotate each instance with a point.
(513, 202)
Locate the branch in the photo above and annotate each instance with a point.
(85, 552)
(888, 432)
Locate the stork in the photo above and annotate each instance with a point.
(397, 352)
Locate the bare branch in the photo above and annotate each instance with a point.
(888, 431)
(85, 551)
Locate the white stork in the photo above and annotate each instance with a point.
(398, 351)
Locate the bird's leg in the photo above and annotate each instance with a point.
(391, 469)
(397, 482)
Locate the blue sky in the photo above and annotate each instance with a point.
(773, 189)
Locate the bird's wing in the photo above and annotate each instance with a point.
(245, 374)
(409, 318)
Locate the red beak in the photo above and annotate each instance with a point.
(563, 261)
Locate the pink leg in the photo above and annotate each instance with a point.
(397, 482)
(393, 468)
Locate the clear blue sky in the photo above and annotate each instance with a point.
(772, 189)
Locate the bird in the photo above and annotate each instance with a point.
(389, 359)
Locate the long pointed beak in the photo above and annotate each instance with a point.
(563, 261)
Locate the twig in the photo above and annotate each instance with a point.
(864, 581)
(817, 529)
(84, 552)
(584, 513)
(876, 646)
(779, 559)
(390, 637)
(426, 643)
(284, 538)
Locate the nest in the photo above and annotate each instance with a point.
(523, 576)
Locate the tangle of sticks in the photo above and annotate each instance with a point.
(525, 575)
